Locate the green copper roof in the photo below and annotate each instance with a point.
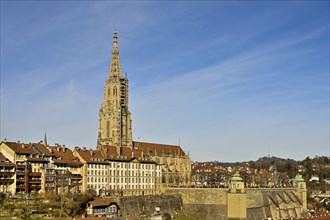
(236, 178)
(299, 178)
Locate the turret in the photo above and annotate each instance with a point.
(237, 184)
(300, 184)
(236, 204)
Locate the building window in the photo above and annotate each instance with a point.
(115, 91)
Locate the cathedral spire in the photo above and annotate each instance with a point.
(45, 139)
(115, 68)
(115, 119)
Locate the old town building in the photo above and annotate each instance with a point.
(7, 174)
(176, 165)
(41, 168)
(127, 174)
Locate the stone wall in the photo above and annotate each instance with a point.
(213, 203)
(145, 205)
(206, 203)
(209, 203)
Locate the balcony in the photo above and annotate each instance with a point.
(20, 180)
(6, 181)
(20, 187)
(35, 174)
(34, 181)
(75, 184)
(7, 173)
(20, 173)
(75, 177)
(35, 187)
(22, 166)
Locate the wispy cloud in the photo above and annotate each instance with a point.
(219, 98)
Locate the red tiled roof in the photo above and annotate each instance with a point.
(105, 153)
(43, 149)
(109, 151)
(64, 155)
(159, 149)
(208, 167)
(103, 202)
(130, 153)
(91, 156)
(20, 148)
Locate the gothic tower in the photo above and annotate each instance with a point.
(114, 118)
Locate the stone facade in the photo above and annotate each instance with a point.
(115, 119)
(176, 165)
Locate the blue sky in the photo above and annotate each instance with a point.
(232, 80)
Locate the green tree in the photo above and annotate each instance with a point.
(9, 207)
(166, 216)
(2, 198)
(23, 211)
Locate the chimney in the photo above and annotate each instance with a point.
(91, 152)
(18, 141)
(63, 148)
(49, 149)
(84, 148)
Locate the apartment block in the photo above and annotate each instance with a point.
(38, 167)
(7, 175)
(127, 174)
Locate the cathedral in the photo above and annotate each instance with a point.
(115, 119)
(115, 128)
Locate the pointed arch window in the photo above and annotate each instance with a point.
(115, 90)
(108, 129)
(108, 92)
